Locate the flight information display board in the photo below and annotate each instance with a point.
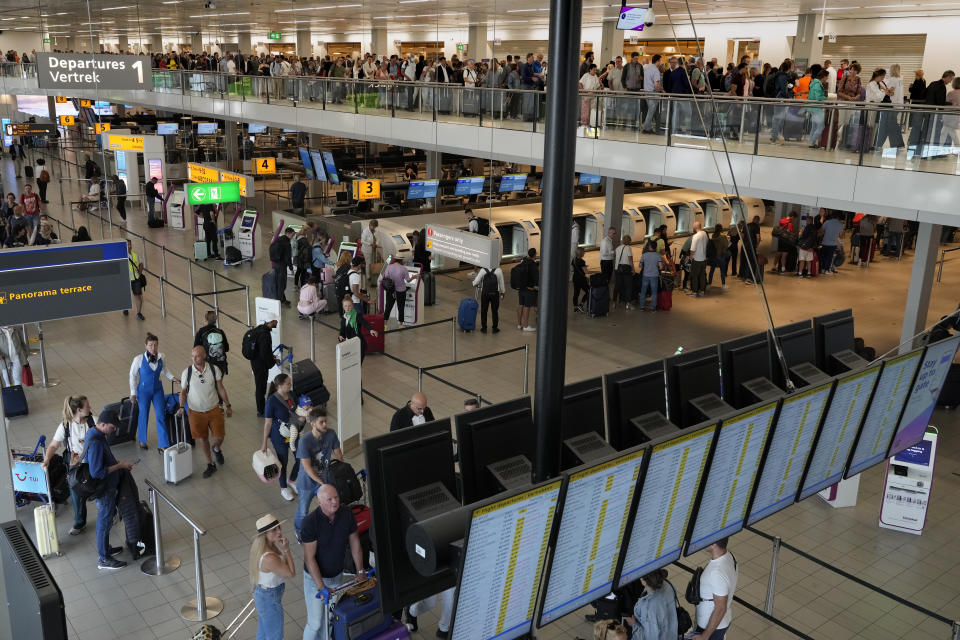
(729, 482)
(319, 172)
(422, 189)
(513, 182)
(670, 486)
(503, 562)
(839, 430)
(789, 449)
(595, 511)
(307, 163)
(923, 396)
(469, 186)
(884, 412)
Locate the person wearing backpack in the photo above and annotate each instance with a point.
(718, 583)
(214, 341)
(78, 418)
(257, 347)
(490, 282)
(525, 277)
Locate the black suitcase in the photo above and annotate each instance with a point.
(598, 280)
(268, 283)
(127, 424)
(794, 124)
(429, 289)
(308, 381)
(598, 304)
(14, 401)
(28, 171)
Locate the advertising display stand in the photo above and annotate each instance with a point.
(906, 489)
(349, 420)
(175, 210)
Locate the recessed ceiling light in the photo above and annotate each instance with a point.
(128, 6)
(889, 6)
(836, 9)
(215, 15)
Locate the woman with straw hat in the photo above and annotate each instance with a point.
(271, 564)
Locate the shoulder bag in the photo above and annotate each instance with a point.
(684, 621)
(625, 269)
(80, 480)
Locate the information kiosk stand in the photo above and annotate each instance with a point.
(245, 233)
(175, 210)
(906, 492)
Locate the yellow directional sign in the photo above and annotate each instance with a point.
(246, 186)
(62, 100)
(366, 189)
(264, 165)
(200, 173)
(125, 143)
(86, 103)
(101, 127)
(67, 120)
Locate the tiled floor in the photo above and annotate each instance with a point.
(91, 356)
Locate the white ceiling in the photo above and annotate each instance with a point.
(111, 18)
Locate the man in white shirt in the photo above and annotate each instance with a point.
(203, 394)
(354, 278)
(651, 83)
(698, 251)
(470, 75)
(491, 293)
(146, 389)
(718, 582)
(607, 246)
(368, 244)
(831, 79)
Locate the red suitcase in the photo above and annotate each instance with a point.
(815, 265)
(665, 300)
(374, 344)
(361, 513)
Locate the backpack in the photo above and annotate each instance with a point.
(770, 85)
(692, 594)
(304, 254)
(489, 286)
(518, 275)
(711, 250)
(342, 476)
(341, 282)
(483, 227)
(213, 343)
(276, 253)
(248, 347)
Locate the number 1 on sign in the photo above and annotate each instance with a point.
(138, 65)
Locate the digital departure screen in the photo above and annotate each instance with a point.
(206, 128)
(592, 525)
(884, 412)
(253, 127)
(318, 170)
(788, 451)
(666, 502)
(331, 168)
(506, 547)
(631, 18)
(730, 478)
(839, 430)
(923, 396)
(513, 182)
(422, 189)
(469, 186)
(167, 128)
(588, 178)
(307, 162)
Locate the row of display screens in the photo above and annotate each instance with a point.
(474, 185)
(639, 510)
(208, 128)
(319, 165)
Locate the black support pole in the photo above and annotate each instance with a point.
(559, 156)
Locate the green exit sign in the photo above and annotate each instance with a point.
(274, 35)
(461, 47)
(46, 41)
(213, 192)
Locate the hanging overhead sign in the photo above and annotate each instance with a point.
(93, 71)
(213, 193)
(31, 129)
(199, 173)
(263, 166)
(86, 103)
(464, 246)
(67, 120)
(125, 143)
(246, 182)
(101, 127)
(62, 99)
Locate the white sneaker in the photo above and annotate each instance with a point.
(724, 287)
(519, 326)
(286, 494)
(529, 328)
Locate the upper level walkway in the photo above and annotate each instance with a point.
(885, 159)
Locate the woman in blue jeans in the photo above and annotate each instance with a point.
(271, 564)
(280, 428)
(650, 274)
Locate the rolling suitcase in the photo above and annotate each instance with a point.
(377, 343)
(665, 300)
(178, 458)
(171, 403)
(127, 427)
(794, 124)
(396, 631)
(14, 401)
(358, 616)
(815, 265)
(45, 522)
(308, 381)
(429, 289)
(268, 283)
(598, 304)
(200, 251)
(467, 314)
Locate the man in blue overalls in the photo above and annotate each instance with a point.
(146, 388)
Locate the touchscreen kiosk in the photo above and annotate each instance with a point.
(307, 162)
(331, 168)
(831, 450)
(423, 189)
(788, 450)
(924, 393)
(591, 530)
(735, 464)
(513, 182)
(469, 186)
(670, 484)
(884, 412)
(317, 159)
(246, 233)
(503, 559)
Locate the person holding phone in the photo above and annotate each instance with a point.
(271, 564)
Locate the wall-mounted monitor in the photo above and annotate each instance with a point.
(502, 564)
(331, 167)
(631, 393)
(832, 332)
(631, 18)
(307, 162)
(889, 397)
(254, 127)
(735, 464)
(513, 182)
(317, 159)
(422, 189)
(670, 485)
(848, 404)
(588, 178)
(590, 533)
(206, 128)
(469, 186)
(167, 128)
(788, 451)
(924, 393)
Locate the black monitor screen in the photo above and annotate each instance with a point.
(422, 189)
(469, 186)
(307, 162)
(837, 336)
(318, 169)
(206, 128)
(631, 393)
(690, 376)
(256, 128)
(488, 435)
(167, 128)
(818, 330)
(513, 182)
(743, 360)
(331, 167)
(582, 409)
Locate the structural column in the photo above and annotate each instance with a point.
(807, 48)
(52, 109)
(378, 41)
(156, 43)
(613, 204)
(243, 43)
(123, 44)
(611, 43)
(921, 283)
(87, 42)
(434, 165)
(479, 46)
(304, 46)
(315, 187)
(196, 42)
(230, 145)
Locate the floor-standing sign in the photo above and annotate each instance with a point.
(269, 309)
(906, 490)
(349, 420)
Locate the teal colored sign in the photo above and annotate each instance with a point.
(213, 192)
(274, 35)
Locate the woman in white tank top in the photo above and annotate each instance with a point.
(271, 563)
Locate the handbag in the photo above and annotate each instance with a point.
(80, 480)
(27, 375)
(684, 621)
(624, 269)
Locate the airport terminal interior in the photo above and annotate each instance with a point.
(347, 135)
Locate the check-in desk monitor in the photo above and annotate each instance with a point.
(884, 412)
(787, 453)
(316, 158)
(670, 486)
(503, 561)
(469, 186)
(590, 534)
(924, 393)
(734, 467)
(849, 402)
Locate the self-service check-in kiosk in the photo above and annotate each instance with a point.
(175, 210)
(413, 302)
(746, 208)
(716, 211)
(633, 224)
(244, 229)
(687, 213)
(657, 215)
(591, 226)
(906, 494)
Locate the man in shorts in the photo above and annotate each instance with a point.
(203, 393)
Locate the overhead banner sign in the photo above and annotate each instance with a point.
(125, 143)
(93, 71)
(199, 173)
(54, 282)
(68, 121)
(212, 193)
(32, 129)
(245, 182)
(263, 166)
(464, 246)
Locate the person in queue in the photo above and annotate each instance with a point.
(203, 392)
(214, 342)
(415, 412)
(263, 360)
(351, 322)
(718, 583)
(271, 565)
(315, 449)
(136, 280)
(146, 389)
(78, 419)
(655, 613)
(280, 427)
(527, 294)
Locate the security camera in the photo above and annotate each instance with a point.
(820, 36)
(209, 5)
(649, 18)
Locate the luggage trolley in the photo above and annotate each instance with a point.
(24, 496)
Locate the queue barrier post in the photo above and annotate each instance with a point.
(163, 305)
(45, 382)
(956, 631)
(202, 607)
(453, 339)
(772, 577)
(158, 565)
(526, 367)
(193, 301)
(246, 295)
(419, 379)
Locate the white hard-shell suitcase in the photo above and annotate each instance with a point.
(200, 250)
(44, 519)
(178, 458)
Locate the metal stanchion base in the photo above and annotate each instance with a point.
(189, 610)
(51, 382)
(149, 567)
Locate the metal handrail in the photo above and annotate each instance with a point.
(182, 512)
(943, 255)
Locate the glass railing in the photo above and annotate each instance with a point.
(914, 138)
